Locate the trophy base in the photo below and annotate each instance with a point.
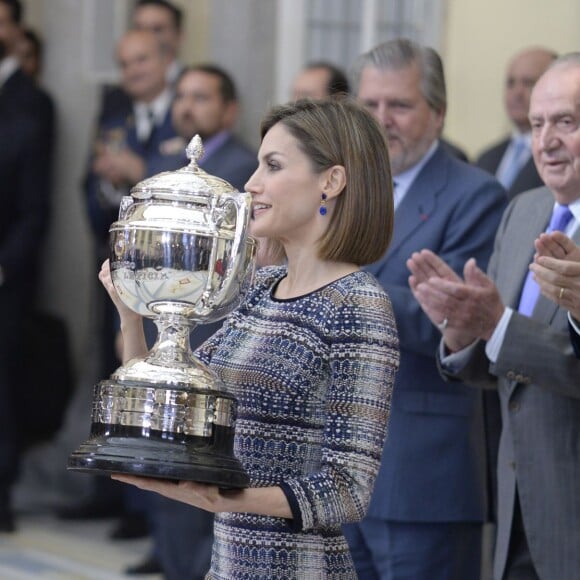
(164, 432)
(158, 459)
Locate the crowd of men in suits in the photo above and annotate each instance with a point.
(485, 409)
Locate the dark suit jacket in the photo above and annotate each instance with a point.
(433, 467)
(537, 378)
(575, 339)
(233, 161)
(526, 179)
(26, 146)
(115, 103)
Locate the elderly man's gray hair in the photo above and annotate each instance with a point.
(402, 53)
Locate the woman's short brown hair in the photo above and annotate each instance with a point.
(341, 132)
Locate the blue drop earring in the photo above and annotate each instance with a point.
(322, 209)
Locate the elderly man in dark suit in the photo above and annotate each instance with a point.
(26, 142)
(510, 160)
(499, 332)
(428, 505)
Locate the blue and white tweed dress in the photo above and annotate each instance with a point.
(313, 377)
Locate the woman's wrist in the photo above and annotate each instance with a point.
(268, 501)
(130, 321)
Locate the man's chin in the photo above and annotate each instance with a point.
(396, 160)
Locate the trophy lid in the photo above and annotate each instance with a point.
(184, 183)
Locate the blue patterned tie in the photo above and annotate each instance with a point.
(560, 218)
(511, 169)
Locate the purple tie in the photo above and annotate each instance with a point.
(560, 218)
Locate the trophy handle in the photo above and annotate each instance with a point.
(243, 203)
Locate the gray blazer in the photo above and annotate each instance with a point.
(538, 381)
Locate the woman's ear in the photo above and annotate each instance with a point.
(333, 181)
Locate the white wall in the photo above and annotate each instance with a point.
(242, 40)
(481, 37)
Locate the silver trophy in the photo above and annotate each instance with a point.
(181, 255)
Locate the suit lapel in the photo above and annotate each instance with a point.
(420, 201)
(159, 132)
(520, 254)
(527, 178)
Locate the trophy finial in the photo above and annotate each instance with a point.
(194, 150)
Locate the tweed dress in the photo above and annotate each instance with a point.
(313, 377)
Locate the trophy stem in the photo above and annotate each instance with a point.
(172, 347)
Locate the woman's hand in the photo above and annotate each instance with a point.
(201, 495)
(269, 501)
(107, 282)
(132, 342)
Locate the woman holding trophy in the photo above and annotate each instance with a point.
(310, 354)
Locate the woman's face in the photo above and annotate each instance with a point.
(286, 191)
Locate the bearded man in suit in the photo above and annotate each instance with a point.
(429, 501)
(499, 332)
(206, 104)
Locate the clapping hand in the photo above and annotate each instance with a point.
(556, 269)
(463, 309)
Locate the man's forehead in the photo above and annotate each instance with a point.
(314, 72)
(530, 61)
(390, 78)
(557, 86)
(200, 77)
(152, 14)
(134, 50)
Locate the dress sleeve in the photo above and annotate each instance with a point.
(364, 357)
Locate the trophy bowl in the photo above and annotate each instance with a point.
(181, 255)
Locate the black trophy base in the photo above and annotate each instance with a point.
(158, 458)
